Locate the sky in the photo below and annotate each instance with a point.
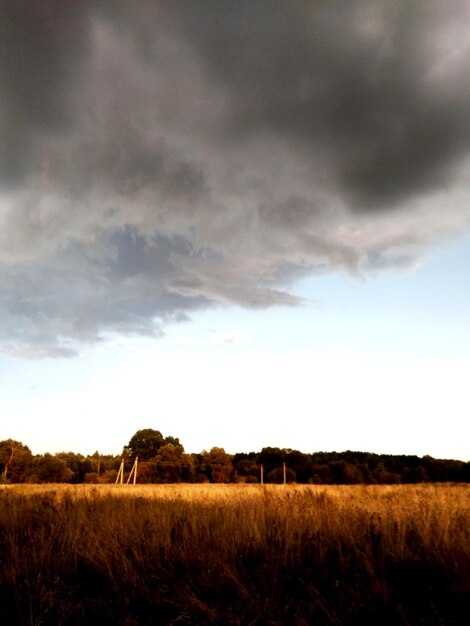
(243, 224)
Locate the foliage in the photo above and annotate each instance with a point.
(15, 459)
(145, 444)
(217, 465)
(277, 475)
(49, 469)
(247, 470)
(271, 458)
(108, 477)
(173, 465)
(78, 464)
(163, 460)
(170, 465)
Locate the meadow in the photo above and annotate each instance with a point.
(234, 555)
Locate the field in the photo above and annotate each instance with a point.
(235, 554)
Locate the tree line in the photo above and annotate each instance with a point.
(164, 460)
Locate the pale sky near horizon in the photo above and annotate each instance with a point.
(242, 224)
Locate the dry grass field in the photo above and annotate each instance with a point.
(235, 554)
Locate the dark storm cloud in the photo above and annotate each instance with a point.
(164, 157)
(351, 81)
(43, 45)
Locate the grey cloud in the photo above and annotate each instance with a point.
(47, 350)
(357, 83)
(83, 295)
(160, 158)
(43, 46)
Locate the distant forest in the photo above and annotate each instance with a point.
(163, 460)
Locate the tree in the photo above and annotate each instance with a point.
(277, 475)
(172, 465)
(218, 464)
(271, 458)
(247, 470)
(300, 464)
(102, 463)
(79, 465)
(344, 473)
(146, 443)
(49, 469)
(15, 459)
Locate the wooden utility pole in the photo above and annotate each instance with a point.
(262, 474)
(133, 473)
(284, 473)
(120, 474)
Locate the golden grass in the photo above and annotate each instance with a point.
(234, 554)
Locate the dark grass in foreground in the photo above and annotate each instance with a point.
(223, 555)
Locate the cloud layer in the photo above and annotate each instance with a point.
(159, 158)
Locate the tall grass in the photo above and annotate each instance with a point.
(235, 554)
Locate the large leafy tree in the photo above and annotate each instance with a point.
(247, 470)
(173, 465)
(78, 464)
(218, 464)
(49, 469)
(272, 458)
(15, 459)
(146, 443)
